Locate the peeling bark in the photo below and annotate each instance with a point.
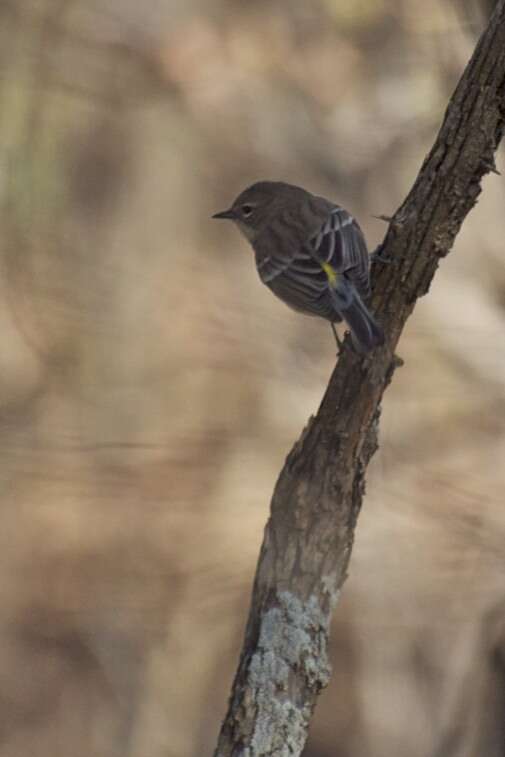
(308, 538)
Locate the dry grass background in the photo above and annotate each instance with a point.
(150, 387)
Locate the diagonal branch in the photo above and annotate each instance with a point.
(317, 499)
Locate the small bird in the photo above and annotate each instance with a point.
(311, 253)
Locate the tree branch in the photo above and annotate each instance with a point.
(317, 498)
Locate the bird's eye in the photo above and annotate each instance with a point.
(246, 210)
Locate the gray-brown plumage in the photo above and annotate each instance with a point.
(311, 253)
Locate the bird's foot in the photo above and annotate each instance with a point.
(378, 254)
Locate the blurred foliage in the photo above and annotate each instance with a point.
(151, 387)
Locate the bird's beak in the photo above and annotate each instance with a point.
(230, 214)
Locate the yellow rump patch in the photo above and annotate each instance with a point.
(331, 273)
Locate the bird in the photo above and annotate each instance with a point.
(311, 253)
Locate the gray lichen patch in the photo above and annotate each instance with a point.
(290, 658)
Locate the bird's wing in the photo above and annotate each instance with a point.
(340, 248)
(288, 266)
(296, 260)
(301, 272)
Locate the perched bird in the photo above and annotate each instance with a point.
(311, 253)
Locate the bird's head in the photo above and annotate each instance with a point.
(255, 207)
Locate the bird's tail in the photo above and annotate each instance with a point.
(365, 331)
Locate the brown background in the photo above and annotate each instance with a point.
(150, 387)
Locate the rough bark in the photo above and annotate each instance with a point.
(317, 498)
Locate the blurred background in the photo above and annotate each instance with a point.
(151, 387)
